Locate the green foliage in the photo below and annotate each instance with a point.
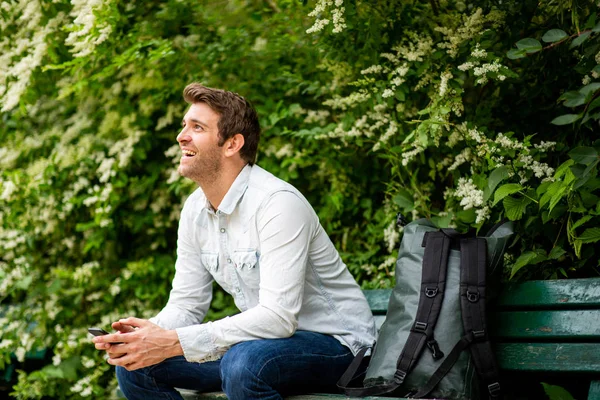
(556, 392)
(463, 112)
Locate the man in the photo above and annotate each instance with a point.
(302, 314)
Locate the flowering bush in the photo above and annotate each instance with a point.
(451, 110)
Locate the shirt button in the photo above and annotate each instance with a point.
(237, 290)
(229, 260)
(222, 230)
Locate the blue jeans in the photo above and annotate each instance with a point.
(257, 369)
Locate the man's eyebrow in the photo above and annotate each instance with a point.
(197, 121)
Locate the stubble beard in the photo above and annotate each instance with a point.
(205, 170)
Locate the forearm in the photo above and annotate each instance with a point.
(209, 341)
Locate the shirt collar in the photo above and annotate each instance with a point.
(236, 191)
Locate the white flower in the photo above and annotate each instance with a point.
(387, 93)
(373, 69)
(20, 353)
(464, 156)
(586, 80)
(8, 188)
(482, 214)
(391, 236)
(88, 362)
(478, 52)
(56, 359)
(259, 44)
(469, 194)
(444, 83)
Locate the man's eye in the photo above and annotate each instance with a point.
(197, 127)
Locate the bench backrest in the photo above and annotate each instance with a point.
(544, 326)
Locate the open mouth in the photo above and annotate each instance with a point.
(188, 153)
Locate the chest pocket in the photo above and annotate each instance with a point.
(210, 262)
(247, 268)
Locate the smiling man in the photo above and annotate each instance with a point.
(303, 316)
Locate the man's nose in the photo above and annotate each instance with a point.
(183, 136)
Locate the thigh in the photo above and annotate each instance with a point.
(305, 362)
(180, 373)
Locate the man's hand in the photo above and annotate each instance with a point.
(142, 344)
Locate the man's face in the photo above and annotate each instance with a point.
(202, 156)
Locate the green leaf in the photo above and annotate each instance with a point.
(584, 155)
(563, 168)
(565, 119)
(506, 190)
(580, 222)
(590, 235)
(556, 392)
(515, 208)
(557, 197)
(497, 176)
(556, 253)
(528, 258)
(530, 45)
(589, 88)
(573, 98)
(596, 69)
(404, 200)
(543, 188)
(580, 39)
(515, 54)
(554, 35)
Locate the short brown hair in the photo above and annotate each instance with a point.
(236, 115)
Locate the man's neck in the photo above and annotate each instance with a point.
(216, 190)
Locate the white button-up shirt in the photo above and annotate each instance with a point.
(264, 246)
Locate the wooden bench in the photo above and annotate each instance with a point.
(543, 330)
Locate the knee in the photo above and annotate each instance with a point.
(125, 379)
(243, 370)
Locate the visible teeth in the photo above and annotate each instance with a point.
(188, 153)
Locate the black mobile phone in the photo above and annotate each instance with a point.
(97, 331)
(100, 332)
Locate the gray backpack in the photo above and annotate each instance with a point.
(438, 304)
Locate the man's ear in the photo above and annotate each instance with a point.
(234, 144)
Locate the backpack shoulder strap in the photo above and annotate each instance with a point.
(472, 300)
(473, 253)
(433, 283)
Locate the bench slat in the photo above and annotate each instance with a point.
(567, 293)
(594, 393)
(549, 357)
(190, 395)
(574, 325)
(378, 300)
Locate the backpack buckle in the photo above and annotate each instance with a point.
(436, 352)
(494, 389)
(420, 327)
(473, 297)
(399, 377)
(431, 292)
(479, 335)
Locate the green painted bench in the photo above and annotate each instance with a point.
(542, 330)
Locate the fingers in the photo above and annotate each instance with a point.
(102, 346)
(134, 322)
(112, 338)
(115, 352)
(118, 326)
(126, 361)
